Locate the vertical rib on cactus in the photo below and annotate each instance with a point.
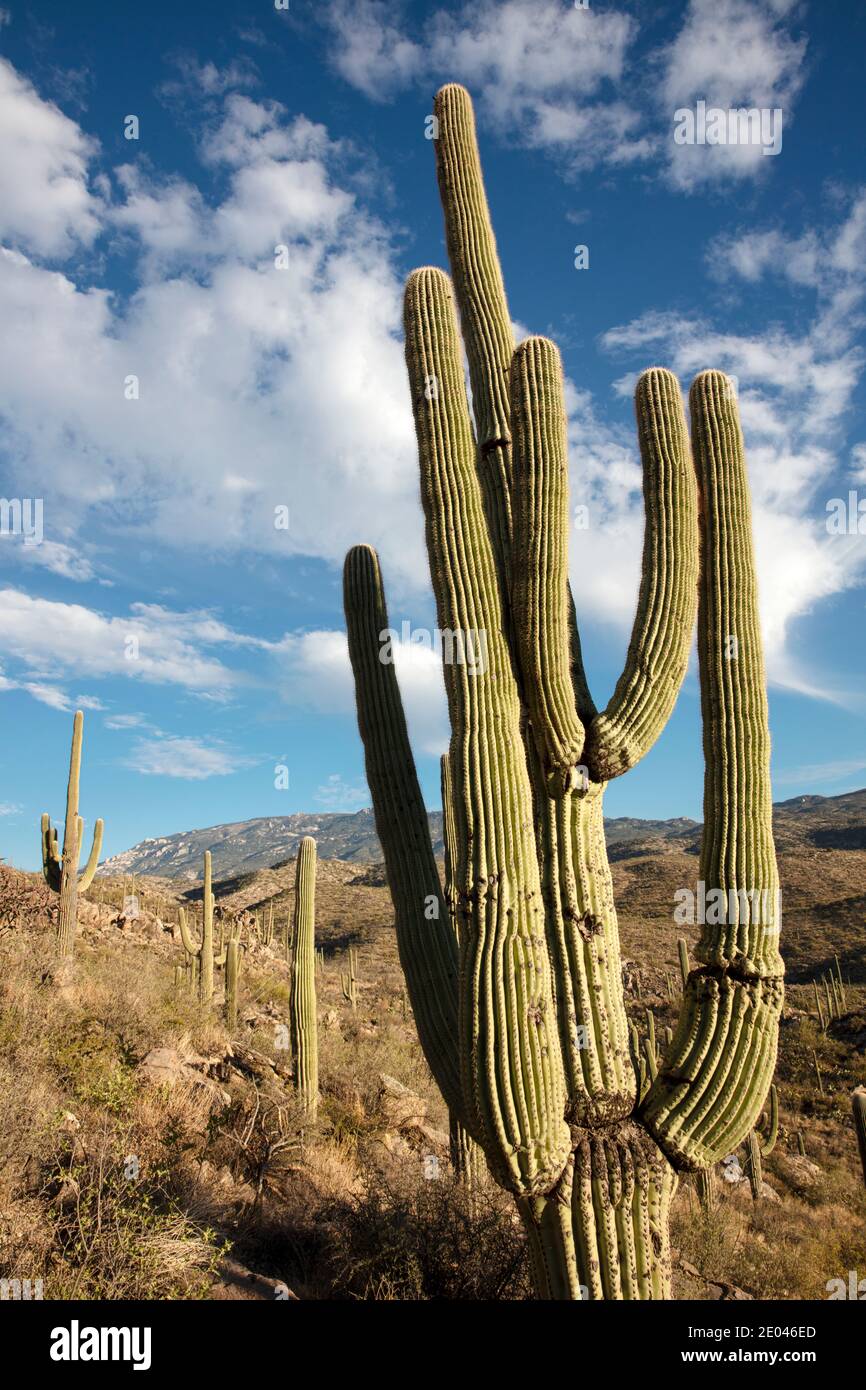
(303, 1023)
(715, 1078)
(233, 953)
(61, 870)
(467, 1159)
(545, 1077)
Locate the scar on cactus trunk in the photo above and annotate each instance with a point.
(60, 868)
(523, 1022)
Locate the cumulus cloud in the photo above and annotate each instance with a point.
(52, 640)
(268, 322)
(191, 759)
(795, 392)
(336, 794)
(315, 672)
(370, 51)
(731, 54)
(46, 205)
(574, 81)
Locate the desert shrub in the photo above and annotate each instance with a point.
(411, 1239)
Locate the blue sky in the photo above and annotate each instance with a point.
(262, 388)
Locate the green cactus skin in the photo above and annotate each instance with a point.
(203, 952)
(858, 1105)
(768, 1138)
(756, 1167)
(349, 981)
(523, 1020)
(685, 965)
(60, 869)
(467, 1158)
(303, 1023)
(801, 1147)
(232, 972)
(705, 1181)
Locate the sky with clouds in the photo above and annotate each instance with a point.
(208, 422)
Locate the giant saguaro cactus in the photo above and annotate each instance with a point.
(524, 1027)
(203, 949)
(303, 1024)
(60, 868)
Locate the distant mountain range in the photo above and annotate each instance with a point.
(824, 822)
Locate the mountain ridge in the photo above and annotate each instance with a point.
(265, 841)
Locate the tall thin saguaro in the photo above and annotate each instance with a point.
(60, 869)
(524, 1026)
(303, 1023)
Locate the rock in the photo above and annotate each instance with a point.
(330, 1018)
(797, 1171)
(769, 1195)
(164, 1066)
(400, 1107)
(433, 1138)
(236, 1283)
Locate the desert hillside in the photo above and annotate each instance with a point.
(111, 1065)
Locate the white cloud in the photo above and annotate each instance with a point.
(55, 556)
(539, 67)
(46, 206)
(123, 722)
(9, 808)
(188, 758)
(335, 794)
(316, 672)
(795, 392)
(821, 772)
(296, 372)
(549, 74)
(730, 54)
(369, 50)
(52, 639)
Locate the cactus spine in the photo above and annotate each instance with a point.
(303, 1026)
(203, 951)
(530, 1045)
(60, 869)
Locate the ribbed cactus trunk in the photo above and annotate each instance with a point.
(61, 869)
(520, 1009)
(303, 1024)
(467, 1158)
(233, 965)
(206, 977)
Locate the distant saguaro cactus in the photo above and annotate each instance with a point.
(60, 868)
(232, 972)
(204, 949)
(303, 1023)
(525, 1027)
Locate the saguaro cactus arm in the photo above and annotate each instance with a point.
(709, 1093)
(425, 941)
(658, 652)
